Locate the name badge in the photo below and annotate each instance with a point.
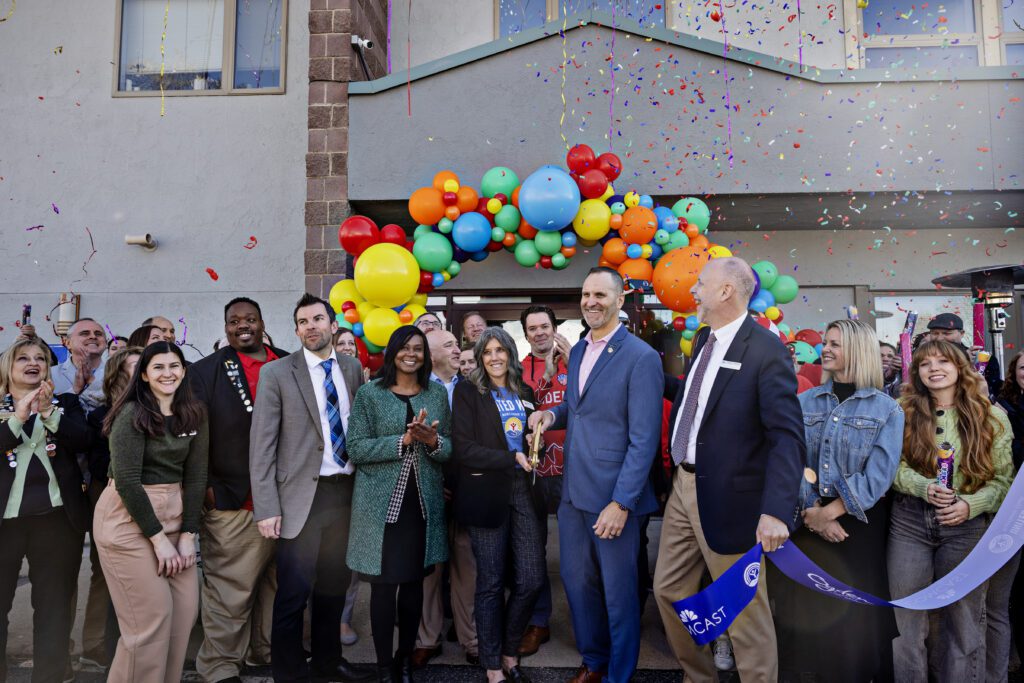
(730, 365)
(527, 404)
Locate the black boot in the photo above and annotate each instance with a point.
(402, 669)
(385, 674)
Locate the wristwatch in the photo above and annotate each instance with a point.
(621, 506)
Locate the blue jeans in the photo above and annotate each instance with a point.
(997, 617)
(547, 495)
(920, 552)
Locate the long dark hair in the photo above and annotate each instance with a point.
(140, 335)
(1011, 391)
(388, 374)
(188, 412)
(514, 379)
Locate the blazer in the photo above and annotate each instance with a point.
(71, 438)
(229, 421)
(750, 443)
(375, 429)
(485, 466)
(613, 428)
(286, 443)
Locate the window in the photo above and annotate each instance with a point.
(1011, 34)
(519, 15)
(911, 34)
(201, 45)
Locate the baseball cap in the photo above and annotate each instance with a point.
(946, 321)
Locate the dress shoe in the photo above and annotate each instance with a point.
(230, 679)
(386, 674)
(422, 655)
(585, 675)
(345, 672)
(472, 659)
(402, 670)
(515, 675)
(533, 638)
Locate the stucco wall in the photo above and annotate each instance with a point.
(202, 179)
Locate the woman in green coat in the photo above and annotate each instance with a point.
(397, 438)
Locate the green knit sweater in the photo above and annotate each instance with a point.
(137, 460)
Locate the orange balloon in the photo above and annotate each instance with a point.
(638, 225)
(426, 206)
(405, 316)
(691, 230)
(441, 177)
(700, 242)
(605, 263)
(615, 222)
(636, 269)
(614, 251)
(527, 231)
(515, 196)
(452, 212)
(675, 274)
(568, 252)
(466, 199)
(509, 240)
(352, 315)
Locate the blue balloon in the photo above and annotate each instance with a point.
(357, 329)
(569, 239)
(615, 198)
(758, 304)
(767, 296)
(757, 285)
(818, 348)
(479, 255)
(472, 231)
(655, 251)
(549, 199)
(634, 251)
(646, 201)
(438, 280)
(459, 255)
(692, 323)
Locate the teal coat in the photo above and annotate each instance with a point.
(375, 425)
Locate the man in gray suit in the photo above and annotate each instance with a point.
(302, 493)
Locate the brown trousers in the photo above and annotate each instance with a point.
(683, 555)
(155, 613)
(462, 572)
(238, 589)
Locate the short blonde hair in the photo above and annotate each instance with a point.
(7, 361)
(861, 351)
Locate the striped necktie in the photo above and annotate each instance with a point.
(689, 409)
(334, 415)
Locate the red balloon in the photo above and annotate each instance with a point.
(494, 246)
(809, 336)
(348, 306)
(426, 279)
(580, 158)
(593, 183)
(679, 324)
(375, 361)
(364, 353)
(450, 198)
(501, 198)
(610, 165)
(545, 261)
(395, 234)
(481, 208)
(357, 234)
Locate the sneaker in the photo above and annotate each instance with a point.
(89, 665)
(724, 661)
(348, 635)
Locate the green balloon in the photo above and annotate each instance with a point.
(342, 323)
(677, 239)
(433, 252)
(422, 230)
(688, 334)
(785, 289)
(371, 347)
(767, 273)
(662, 237)
(565, 263)
(454, 268)
(508, 218)
(499, 180)
(497, 234)
(558, 260)
(527, 254)
(548, 243)
(618, 208)
(445, 225)
(694, 211)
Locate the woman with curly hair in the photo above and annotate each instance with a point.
(954, 473)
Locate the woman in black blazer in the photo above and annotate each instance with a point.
(494, 501)
(42, 502)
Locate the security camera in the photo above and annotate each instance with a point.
(364, 43)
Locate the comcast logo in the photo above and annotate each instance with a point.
(688, 616)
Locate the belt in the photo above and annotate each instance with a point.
(334, 478)
(688, 467)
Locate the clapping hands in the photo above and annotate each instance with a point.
(420, 430)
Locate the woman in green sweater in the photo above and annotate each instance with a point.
(147, 518)
(955, 470)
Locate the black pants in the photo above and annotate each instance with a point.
(54, 551)
(313, 563)
(383, 606)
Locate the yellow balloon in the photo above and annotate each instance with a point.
(631, 199)
(591, 222)
(494, 206)
(772, 313)
(342, 291)
(451, 185)
(608, 192)
(686, 346)
(586, 243)
(364, 309)
(416, 309)
(378, 326)
(718, 251)
(646, 250)
(418, 300)
(387, 275)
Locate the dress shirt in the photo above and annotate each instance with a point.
(448, 386)
(592, 353)
(317, 375)
(63, 377)
(723, 340)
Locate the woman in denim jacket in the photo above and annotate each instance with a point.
(854, 432)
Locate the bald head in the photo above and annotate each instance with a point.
(740, 275)
(444, 353)
(723, 290)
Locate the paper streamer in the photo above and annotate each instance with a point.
(799, 38)
(979, 325)
(163, 39)
(389, 37)
(408, 55)
(611, 102)
(565, 67)
(725, 70)
(10, 12)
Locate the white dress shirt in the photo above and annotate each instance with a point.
(316, 373)
(723, 340)
(63, 377)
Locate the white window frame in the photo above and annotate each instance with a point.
(227, 60)
(998, 28)
(553, 12)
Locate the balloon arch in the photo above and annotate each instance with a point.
(542, 221)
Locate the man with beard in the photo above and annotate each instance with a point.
(302, 493)
(238, 577)
(82, 372)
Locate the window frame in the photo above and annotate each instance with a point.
(975, 39)
(999, 29)
(553, 12)
(227, 60)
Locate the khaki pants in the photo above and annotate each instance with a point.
(462, 573)
(237, 569)
(682, 556)
(155, 613)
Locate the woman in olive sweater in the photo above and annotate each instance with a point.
(146, 520)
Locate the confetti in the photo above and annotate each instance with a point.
(54, 207)
(59, 50)
(252, 242)
(34, 227)
(213, 274)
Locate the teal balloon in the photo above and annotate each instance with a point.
(433, 252)
(445, 225)
(527, 254)
(497, 234)
(694, 211)
(371, 347)
(548, 243)
(785, 289)
(558, 260)
(804, 352)
(499, 180)
(618, 208)
(767, 273)
(454, 268)
(677, 239)
(342, 323)
(508, 218)
(688, 334)
(662, 237)
(422, 230)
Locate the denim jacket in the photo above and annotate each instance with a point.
(853, 447)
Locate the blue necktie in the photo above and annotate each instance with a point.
(334, 415)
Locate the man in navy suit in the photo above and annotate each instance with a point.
(738, 449)
(612, 417)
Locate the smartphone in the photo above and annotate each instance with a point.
(26, 314)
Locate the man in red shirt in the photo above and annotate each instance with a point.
(238, 577)
(544, 369)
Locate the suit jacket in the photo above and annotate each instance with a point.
(485, 466)
(613, 429)
(229, 424)
(750, 443)
(71, 438)
(286, 443)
